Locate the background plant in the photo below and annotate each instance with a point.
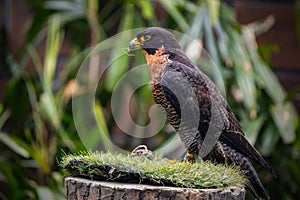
(36, 121)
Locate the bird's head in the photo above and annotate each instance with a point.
(154, 38)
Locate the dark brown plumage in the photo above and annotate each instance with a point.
(195, 107)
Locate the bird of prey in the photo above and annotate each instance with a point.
(195, 107)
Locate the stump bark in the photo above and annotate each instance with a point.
(79, 188)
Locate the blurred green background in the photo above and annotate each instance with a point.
(44, 43)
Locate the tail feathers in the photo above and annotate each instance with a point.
(254, 185)
(241, 144)
(233, 157)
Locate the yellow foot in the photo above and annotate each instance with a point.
(189, 157)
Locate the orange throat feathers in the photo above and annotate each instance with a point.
(156, 63)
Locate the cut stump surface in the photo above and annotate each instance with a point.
(79, 188)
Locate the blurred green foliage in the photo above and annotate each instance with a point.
(36, 121)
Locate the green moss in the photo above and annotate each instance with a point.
(158, 171)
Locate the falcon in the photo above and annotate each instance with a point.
(195, 107)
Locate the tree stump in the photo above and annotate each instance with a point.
(79, 188)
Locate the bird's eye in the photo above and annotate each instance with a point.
(145, 38)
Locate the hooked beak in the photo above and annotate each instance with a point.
(134, 45)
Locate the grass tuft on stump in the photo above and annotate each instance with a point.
(158, 171)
